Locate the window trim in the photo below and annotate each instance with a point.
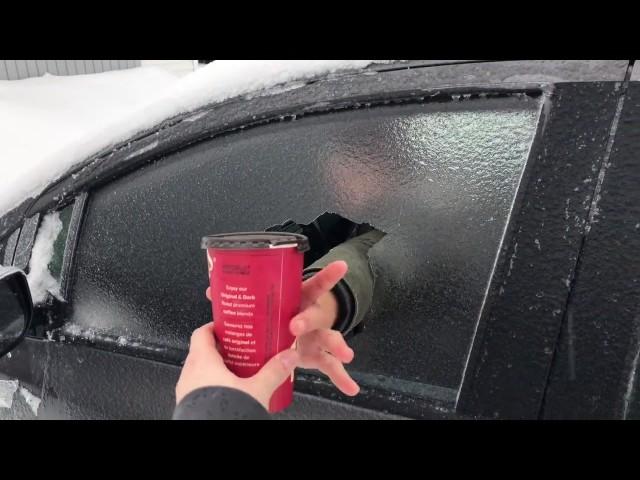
(10, 245)
(26, 239)
(71, 243)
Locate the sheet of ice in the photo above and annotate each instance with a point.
(49, 124)
(40, 279)
(7, 390)
(31, 399)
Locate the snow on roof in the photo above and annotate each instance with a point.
(49, 124)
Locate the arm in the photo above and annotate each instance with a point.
(219, 403)
(354, 293)
(336, 294)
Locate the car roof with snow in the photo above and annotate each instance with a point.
(45, 164)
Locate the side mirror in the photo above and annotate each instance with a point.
(16, 307)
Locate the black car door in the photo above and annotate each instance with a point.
(480, 174)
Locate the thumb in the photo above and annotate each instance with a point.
(275, 372)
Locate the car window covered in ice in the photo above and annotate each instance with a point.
(439, 178)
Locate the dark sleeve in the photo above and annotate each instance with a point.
(219, 403)
(354, 292)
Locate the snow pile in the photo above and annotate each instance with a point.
(49, 124)
(7, 390)
(31, 399)
(40, 279)
(42, 118)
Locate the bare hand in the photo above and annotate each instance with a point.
(204, 367)
(319, 346)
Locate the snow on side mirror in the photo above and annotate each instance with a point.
(16, 308)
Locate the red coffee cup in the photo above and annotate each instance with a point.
(256, 284)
